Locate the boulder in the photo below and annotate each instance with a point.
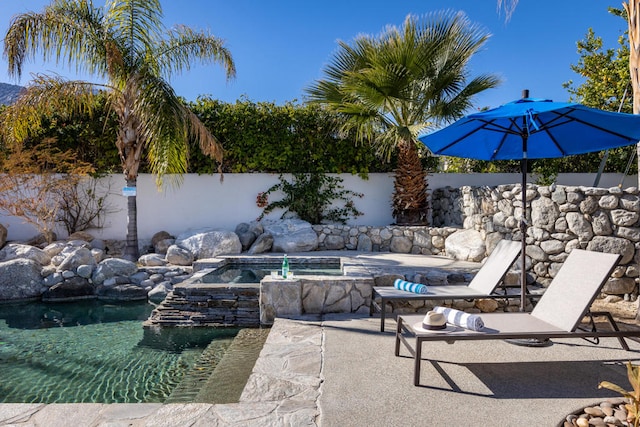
(80, 256)
(162, 246)
(159, 236)
(179, 256)
(210, 243)
(364, 243)
(544, 213)
(291, 235)
(152, 260)
(159, 292)
(263, 244)
(16, 250)
(125, 292)
(73, 288)
(466, 245)
(81, 235)
(20, 279)
(613, 245)
(579, 226)
(112, 267)
(334, 242)
(246, 235)
(54, 248)
(400, 244)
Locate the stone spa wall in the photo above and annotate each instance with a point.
(469, 221)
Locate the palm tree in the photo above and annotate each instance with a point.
(126, 46)
(389, 89)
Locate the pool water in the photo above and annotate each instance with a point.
(254, 273)
(96, 352)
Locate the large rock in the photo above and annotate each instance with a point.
(179, 256)
(544, 213)
(152, 260)
(16, 250)
(73, 288)
(579, 226)
(81, 235)
(466, 245)
(291, 235)
(246, 234)
(263, 244)
(112, 267)
(613, 245)
(80, 256)
(20, 279)
(210, 243)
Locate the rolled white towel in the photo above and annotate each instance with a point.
(417, 288)
(460, 318)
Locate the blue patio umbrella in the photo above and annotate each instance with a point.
(532, 128)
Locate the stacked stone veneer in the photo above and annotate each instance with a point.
(560, 218)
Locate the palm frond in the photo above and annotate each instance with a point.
(184, 46)
(69, 31)
(45, 96)
(136, 24)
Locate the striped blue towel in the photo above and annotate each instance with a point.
(460, 318)
(403, 285)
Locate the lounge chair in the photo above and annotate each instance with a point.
(483, 284)
(558, 313)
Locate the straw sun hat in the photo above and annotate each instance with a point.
(434, 322)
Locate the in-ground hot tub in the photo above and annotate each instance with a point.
(246, 295)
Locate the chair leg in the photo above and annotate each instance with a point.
(613, 325)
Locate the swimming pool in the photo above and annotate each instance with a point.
(91, 351)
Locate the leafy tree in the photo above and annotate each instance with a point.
(390, 88)
(125, 45)
(36, 180)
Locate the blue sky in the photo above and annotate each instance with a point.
(281, 46)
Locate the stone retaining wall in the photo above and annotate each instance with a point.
(469, 221)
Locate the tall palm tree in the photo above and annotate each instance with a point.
(128, 48)
(390, 88)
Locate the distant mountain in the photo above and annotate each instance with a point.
(9, 93)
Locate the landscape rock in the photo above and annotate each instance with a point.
(179, 256)
(20, 279)
(79, 256)
(152, 260)
(210, 243)
(112, 267)
(17, 250)
(263, 244)
(81, 235)
(291, 235)
(466, 245)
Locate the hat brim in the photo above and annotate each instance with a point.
(417, 327)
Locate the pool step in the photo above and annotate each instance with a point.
(209, 304)
(195, 378)
(226, 383)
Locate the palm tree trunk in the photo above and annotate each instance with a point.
(409, 204)
(131, 251)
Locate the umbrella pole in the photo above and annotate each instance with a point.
(523, 235)
(523, 220)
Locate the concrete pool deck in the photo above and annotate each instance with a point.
(339, 370)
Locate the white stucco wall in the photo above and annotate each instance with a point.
(204, 201)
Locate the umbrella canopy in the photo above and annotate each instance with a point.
(531, 128)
